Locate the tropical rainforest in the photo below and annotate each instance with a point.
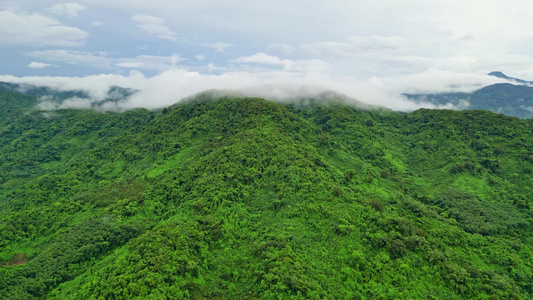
(226, 197)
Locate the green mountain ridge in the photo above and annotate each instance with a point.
(244, 198)
(513, 99)
(53, 98)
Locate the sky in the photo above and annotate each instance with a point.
(372, 51)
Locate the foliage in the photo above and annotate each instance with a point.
(243, 198)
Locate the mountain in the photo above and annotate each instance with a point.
(51, 98)
(510, 99)
(244, 198)
(501, 75)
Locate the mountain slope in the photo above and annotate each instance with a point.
(54, 98)
(506, 98)
(240, 198)
(517, 80)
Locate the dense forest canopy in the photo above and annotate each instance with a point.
(244, 198)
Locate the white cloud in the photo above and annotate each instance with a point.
(174, 84)
(220, 47)
(75, 102)
(435, 81)
(174, 59)
(102, 60)
(154, 26)
(38, 65)
(355, 45)
(96, 23)
(84, 58)
(371, 56)
(133, 65)
(286, 64)
(97, 85)
(35, 30)
(372, 50)
(263, 58)
(378, 42)
(280, 47)
(70, 9)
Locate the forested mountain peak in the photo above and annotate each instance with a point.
(296, 96)
(235, 198)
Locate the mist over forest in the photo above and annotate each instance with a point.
(231, 197)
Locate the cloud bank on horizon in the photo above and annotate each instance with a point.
(371, 51)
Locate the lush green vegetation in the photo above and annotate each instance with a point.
(240, 198)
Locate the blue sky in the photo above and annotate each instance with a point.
(370, 50)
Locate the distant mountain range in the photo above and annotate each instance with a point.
(501, 75)
(50, 97)
(514, 98)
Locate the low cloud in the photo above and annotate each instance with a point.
(436, 81)
(76, 103)
(96, 86)
(174, 84)
(155, 26)
(528, 108)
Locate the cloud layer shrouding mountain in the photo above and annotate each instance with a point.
(175, 84)
(372, 51)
